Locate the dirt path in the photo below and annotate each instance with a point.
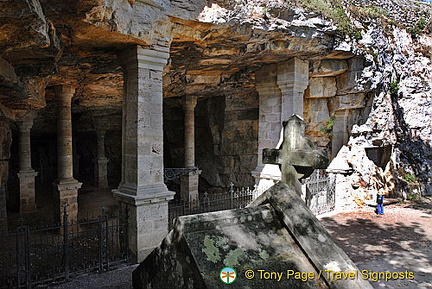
(399, 241)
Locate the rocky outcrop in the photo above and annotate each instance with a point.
(399, 69)
(370, 70)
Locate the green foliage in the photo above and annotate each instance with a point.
(371, 11)
(416, 29)
(410, 178)
(413, 196)
(394, 88)
(327, 129)
(334, 10)
(421, 24)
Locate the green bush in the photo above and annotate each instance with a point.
(394, 88)
(327, 129)
(410, 178)
(413, 196)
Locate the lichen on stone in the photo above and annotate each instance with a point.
(211, 251)
(233, 258)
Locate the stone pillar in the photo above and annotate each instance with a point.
(65, 186)
(189, 182)
(5, 144)
(281, 88)
(270, 124)
(26, 174)
(142, 190)
(189, 103)
(101, 166)
(292, 79)
(340, 131)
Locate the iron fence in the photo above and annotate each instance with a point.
(31, 257)
(234, 198)
(319, 191)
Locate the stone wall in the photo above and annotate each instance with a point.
(226, 138)
(5, 143)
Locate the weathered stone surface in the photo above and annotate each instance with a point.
(321, 87)
(328, 67)
(264, 237)
(5, 144)
(359, 179)
(215, 51)
(298, 156)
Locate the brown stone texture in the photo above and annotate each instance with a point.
(5, 143)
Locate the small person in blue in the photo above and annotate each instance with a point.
(380, 204)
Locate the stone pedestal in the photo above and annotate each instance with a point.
(101, 173)
(65, 187)
(66, 193)
(280, 88)
(26, 174)
(27, 191)
(189, 187)
(142, 190)
(101, 165)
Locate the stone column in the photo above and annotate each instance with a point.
(101, 166)
(5, 144)
(142, 191)
(280, 87)
(292, 79)
(189, 182)
(269, 126)
(26, 174)
(66, 187)
(340, 131)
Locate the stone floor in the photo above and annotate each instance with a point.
(91, 200)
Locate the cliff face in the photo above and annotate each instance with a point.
(369, 60)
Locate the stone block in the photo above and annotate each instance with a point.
(329, 67)
(346, 82)
(350, 101)
(322, 87)
(316, 111)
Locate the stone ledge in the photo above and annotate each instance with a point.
(143, 195)
(67, 184)
(27, 174)
(139, 57)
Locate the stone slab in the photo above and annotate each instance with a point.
(311, 235)
(278, 234)
(197, 249)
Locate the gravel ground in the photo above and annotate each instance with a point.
(399, 241)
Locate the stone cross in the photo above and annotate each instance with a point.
(298, 156)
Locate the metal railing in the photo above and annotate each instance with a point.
(234, 198)
(318, 193)
(30, 257)
(319, 190)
